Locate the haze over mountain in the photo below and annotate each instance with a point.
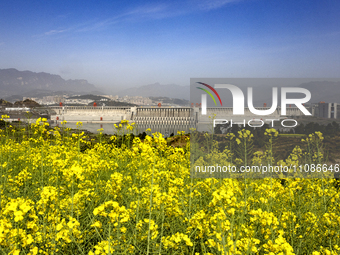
(27, 83)
(158, 90)
(327, 91)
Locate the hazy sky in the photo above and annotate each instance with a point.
(121, 44)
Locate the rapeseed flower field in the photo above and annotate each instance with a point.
(137, 197)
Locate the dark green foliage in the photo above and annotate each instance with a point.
(2, 123)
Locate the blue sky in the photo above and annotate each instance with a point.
(120, 44)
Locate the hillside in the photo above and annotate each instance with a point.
(14, 82)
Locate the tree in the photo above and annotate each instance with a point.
(5, 103)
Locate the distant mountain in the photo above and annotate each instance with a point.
(158, 90)
(14, 82)
(327, 91)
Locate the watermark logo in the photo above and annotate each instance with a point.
(238, 99)
(204, 97)
(242, 126)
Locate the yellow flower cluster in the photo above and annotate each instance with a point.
(4, 117)
(140, 199)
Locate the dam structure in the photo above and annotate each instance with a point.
(90, 114)
(189, 116)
